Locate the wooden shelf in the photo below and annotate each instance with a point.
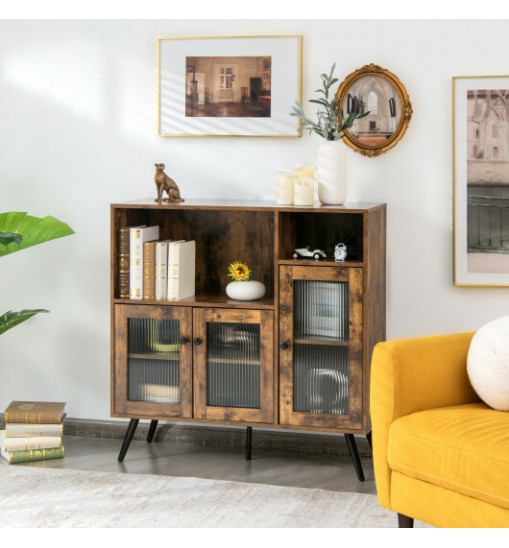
(312, 262)
(216, 301)
(323, 341)
(159, 356)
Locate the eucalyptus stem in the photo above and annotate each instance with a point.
(330, 123)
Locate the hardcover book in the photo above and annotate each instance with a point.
(123, 261)
(38, 412)
(27, 430)
(35, 442)
(149, 265)
(29, 455)
(138, 236)
(181, 270)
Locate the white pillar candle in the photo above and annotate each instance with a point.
(305, 172)
(284, 187)
(303, 192)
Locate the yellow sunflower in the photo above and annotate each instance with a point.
(239, 271)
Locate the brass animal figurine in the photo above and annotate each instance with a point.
(166, 184)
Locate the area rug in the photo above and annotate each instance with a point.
(44, 497)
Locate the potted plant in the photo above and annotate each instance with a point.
(243, 288)
(18, 230)
(330, 124)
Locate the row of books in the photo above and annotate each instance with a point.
(33, 431)
(154, 269)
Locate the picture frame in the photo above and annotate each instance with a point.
(375, 89)
(229, 85)
(481, 181)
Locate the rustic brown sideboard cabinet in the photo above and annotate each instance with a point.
(298, 359)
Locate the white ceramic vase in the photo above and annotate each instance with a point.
(331, 172)
(245, 291)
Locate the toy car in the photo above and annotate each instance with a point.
(306, 253)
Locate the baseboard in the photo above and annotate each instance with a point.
(217, 436)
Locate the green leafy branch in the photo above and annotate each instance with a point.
(330, 122)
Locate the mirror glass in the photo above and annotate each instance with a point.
(374, 89)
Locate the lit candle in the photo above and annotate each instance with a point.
(303, 192)
(284, 187)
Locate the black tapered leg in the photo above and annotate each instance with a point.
(368, 437)
(127, 439)
(249, 442)
(405, 522)
(354, 454)
(151, 431)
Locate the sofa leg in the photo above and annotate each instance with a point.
(405, 521)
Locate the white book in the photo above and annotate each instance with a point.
(35, 442)
(137, 237)
(161, 270)
(27, 430)
(181, 270)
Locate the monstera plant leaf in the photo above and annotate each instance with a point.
(18, 230)
(32, 230)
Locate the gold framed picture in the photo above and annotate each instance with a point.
(481, 180)
(229, 86)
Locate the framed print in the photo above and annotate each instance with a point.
(236, 86)
(481, 180)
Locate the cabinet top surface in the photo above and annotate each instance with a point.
(150, 203)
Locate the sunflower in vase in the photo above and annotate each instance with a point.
(243, 287)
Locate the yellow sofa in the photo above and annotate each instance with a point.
(440, 454)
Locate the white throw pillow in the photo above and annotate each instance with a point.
(488, 363)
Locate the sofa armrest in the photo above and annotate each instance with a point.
(412, 375)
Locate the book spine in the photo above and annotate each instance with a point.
(123, 263)
(22, 444)
(41, 417)
(161, 271)
(149, 260)
(173, 271)
(135, 263)
(24, 430)
(30, 455)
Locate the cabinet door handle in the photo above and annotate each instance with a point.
(285, 345)
(197, 340)
(184, 340)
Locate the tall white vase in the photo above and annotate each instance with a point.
(331, 164)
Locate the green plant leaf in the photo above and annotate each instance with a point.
(7, 238)
(11, 319)
(33, 230)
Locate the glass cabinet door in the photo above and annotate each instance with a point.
(233, 369)
(153, 361)
(321, 346)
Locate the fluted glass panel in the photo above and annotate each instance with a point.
(153, 361)
(321, 379)
(321, 309)
(233, 364)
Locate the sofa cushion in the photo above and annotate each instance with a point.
(464, 448)
(488, 363)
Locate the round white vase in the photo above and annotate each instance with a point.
(331, 168)
(245, 291)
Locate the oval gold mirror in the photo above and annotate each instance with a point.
(374, 89)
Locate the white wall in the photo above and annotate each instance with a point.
(78, 131)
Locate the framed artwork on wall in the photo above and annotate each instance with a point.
(229, 86)
(481, 180)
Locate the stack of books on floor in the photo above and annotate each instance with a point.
(33, 431)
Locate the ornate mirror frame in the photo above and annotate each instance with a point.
(375, 89)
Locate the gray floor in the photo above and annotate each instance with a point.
(178, 459)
